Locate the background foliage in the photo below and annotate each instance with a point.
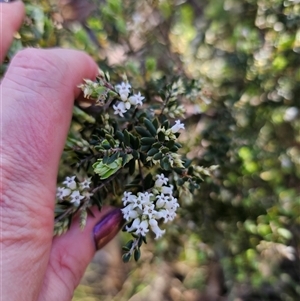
(238, 236)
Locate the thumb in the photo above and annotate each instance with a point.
(72, 252)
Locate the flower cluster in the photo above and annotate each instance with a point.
(72, 192)
(126, 100)
(145, 209)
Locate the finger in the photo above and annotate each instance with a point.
(72, 252)
(37, 97)
(11, 16)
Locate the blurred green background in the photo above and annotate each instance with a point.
(238, 237)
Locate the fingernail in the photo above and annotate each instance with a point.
(108, 227)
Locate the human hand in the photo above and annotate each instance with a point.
(37, 95)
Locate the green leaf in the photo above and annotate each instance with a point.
(148, 140)
(126, 138)
(170, 143)
(134, 141)
(119, 136)
(158, 156)
(137, 254)
(126, 257)
(131, 165)
(156, 145)
(135, 154)
(165, 164)
(142, 131)
(166, 124)
(150, 127)
(161, 136)
(145, 148)
(152, 152)
(164, 150)
(113, 157)
(148, 181)
(155, 123)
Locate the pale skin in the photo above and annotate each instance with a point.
(36, 99)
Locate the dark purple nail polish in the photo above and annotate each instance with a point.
(108, 227)
(7, 1)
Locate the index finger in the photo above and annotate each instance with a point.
(11, 16)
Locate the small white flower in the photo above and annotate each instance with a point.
(134, 225)
(129, 213)
(161, 200)
(128, 197)
(138, 203)
(167, 189)
(142, 228)
(161, 180)
(70, 182)
(177, 127)
(154, 227)
(124, 97)
(172, 205)
(85, 184)
(144, 197)
(76, 197)
(123, 88)
(149, 211)
(62, 192)
(169, 216)
(136, 99)
(120, 109)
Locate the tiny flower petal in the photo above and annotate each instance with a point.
(123, 88)
(76, 197)
(154, 227)
(177, 127)
(167, 189)
(70, 182)
(142, 228)
(85, 184)
(119, 109)
(161, 180)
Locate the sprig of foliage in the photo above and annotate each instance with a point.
(130, 152)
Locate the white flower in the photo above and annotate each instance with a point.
(149, 211)
(142, 228)
(177, 127)
(124, 96)
(136, 99)
(168, 216)
(167, 189)
(161, 200)
(172, 205)
(129, 213)
(127, 104)
(154, 227)
(120, 109)
(76, 197)
(70, 182)
(128, 197)
(137, 202)
(123, 88)
(161, 180)
(144, 197)
(134, 225)
(85, 184)
(62, 192)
